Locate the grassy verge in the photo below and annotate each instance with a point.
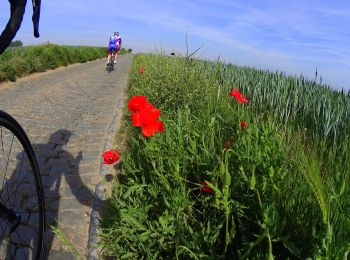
(21, 61)
(280, 185)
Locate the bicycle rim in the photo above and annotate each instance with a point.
(22, 215)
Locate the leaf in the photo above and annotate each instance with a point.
(193, 146)
(144, 236)
(133, 221)
(218, 193)
(166, 202)
(290, 246)
(128, 255)
(241, 171)
(163, 221)
(271, 172)
(129, 191)
(342, 188)
(233, 228)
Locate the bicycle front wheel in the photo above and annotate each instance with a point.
(22, 207)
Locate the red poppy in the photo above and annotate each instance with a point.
(206, 188)
(243, 124)
(149, 115)
(135, 117)
(148, 106)
(110, 156)
(161, 126)
(142, 69)
(153, 127)
(240, 98)
(136, 103)
(145, 116)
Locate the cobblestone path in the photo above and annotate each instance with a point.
(66, 114)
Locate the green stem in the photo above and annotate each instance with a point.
(260, 238)
(227, 234)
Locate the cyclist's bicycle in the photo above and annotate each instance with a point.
(22, 206)
(110, 65)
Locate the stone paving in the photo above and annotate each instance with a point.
(66, 114)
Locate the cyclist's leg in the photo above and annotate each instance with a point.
(112, 56)
(109, 52)
(116, 55)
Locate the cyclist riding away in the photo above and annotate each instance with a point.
(115, 43)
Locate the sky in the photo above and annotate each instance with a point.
(294, 37)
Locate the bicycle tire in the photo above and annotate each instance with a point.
(109, 67)
(8, 123)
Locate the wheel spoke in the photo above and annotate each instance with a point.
(2, 141)
(15, 191)
(3, 231)
(6, 167)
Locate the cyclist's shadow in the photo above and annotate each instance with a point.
(56, 165)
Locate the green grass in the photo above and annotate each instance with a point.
(65, 240)
(281, 185)
(21, 61)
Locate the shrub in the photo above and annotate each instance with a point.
(17, 62)
(21, 66)
(10, 72)
(16, 44)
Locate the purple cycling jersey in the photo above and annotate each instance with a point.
(114, 43)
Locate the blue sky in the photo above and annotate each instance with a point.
(291, 36)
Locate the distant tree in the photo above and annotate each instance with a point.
(17, 43)
(129, 50)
